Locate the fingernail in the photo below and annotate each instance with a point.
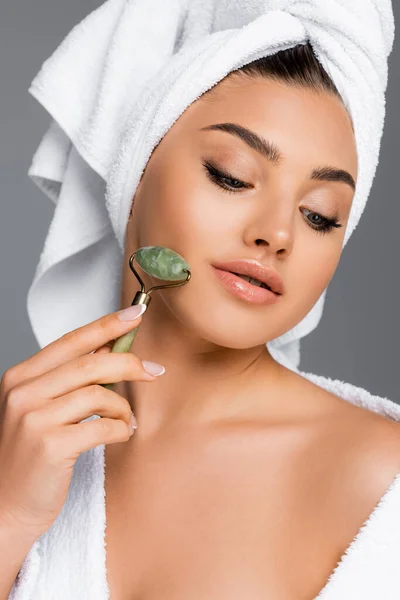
(132, 312)
(153, 368)
(133, 425)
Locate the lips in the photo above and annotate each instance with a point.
(253, 281)
(256, 270)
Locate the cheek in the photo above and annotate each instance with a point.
(307, 277)
(315, 266)
(177, 207)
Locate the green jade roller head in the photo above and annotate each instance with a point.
(159, 262)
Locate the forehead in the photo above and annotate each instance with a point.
(300, 121)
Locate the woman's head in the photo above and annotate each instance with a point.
(269, 208)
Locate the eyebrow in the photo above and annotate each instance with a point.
(272, 153)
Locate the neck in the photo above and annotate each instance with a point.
(203, 382)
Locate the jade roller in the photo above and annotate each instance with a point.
(159, 262)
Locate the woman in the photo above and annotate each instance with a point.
(239, 474)
(243, 478)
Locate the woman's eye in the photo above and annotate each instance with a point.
(224, 180)
(321, 224)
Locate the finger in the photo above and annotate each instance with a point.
(79, 372)
(72, 408)
(73, 344)
(103, 350)
(89, 434)
(106, 349)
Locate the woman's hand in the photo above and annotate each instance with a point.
(42, 401)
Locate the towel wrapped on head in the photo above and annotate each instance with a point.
(119, 81)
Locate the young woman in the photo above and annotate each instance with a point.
(243, 479)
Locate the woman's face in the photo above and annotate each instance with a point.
(272, 210)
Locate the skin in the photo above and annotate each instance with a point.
(189, 329)
(238, 428)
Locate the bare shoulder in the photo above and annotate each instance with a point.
(372, 445)
(355, 453)
(362, 439)
(371, 439)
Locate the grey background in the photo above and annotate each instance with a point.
(357, 339)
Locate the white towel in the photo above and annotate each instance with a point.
(122, 77)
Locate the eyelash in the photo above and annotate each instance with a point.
(217, 176)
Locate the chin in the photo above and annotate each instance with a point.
(217, 325)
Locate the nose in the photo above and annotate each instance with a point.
(272, 226)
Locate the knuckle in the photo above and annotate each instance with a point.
(124, 365)
(117, 402)
(132, 362)
(85, 362)
(16, 398)
(70, 337)
(29, 421)
(94, 392)
(125, 411)
(105, 323)
(9, 379)
(104, 427)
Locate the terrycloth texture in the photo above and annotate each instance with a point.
(119, 81)
(69, 562)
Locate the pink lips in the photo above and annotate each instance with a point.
(255, 269)
(245, 290)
